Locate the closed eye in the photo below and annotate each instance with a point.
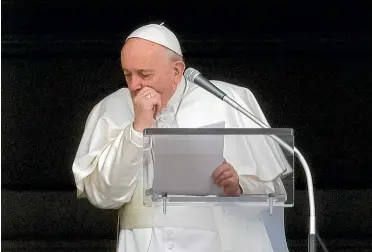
(145, 76)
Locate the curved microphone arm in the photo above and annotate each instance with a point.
(195, 76)
(312, 237)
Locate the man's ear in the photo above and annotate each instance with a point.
(178, 68)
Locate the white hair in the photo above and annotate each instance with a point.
(173, 56)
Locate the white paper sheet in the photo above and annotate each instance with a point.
(183, 164)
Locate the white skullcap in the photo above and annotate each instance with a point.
(158, 34)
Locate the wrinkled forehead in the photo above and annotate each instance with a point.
(140, 48)
(142, 54)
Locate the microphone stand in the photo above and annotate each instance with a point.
(312, 235)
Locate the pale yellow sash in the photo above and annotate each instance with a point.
(134, 214)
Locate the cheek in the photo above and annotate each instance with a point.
(155, 83)
(162, 86)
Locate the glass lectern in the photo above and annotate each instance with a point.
(178, 183)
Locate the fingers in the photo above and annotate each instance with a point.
(227, 174)
(226, 177)
(220, 169)
(232, 191)
(146, 103)
(229, 181)
(151, 97)
(145, 91)
(231, 186)
(155, 100)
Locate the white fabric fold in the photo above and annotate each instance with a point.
(108, 166)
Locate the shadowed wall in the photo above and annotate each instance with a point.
(308, 72)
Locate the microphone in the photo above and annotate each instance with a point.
(196, 77)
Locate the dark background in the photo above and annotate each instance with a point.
(308, 64)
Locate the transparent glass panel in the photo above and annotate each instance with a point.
(178, 165)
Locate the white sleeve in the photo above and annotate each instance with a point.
(252, 185)
(108, 162)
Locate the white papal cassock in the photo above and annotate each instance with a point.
(109, 164)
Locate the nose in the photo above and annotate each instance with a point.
(134, 83)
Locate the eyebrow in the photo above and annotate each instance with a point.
(141, 70)
(145, 70)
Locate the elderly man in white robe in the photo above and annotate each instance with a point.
(108, 166)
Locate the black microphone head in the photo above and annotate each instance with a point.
(191, 73)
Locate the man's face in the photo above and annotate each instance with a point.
(146, 64)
